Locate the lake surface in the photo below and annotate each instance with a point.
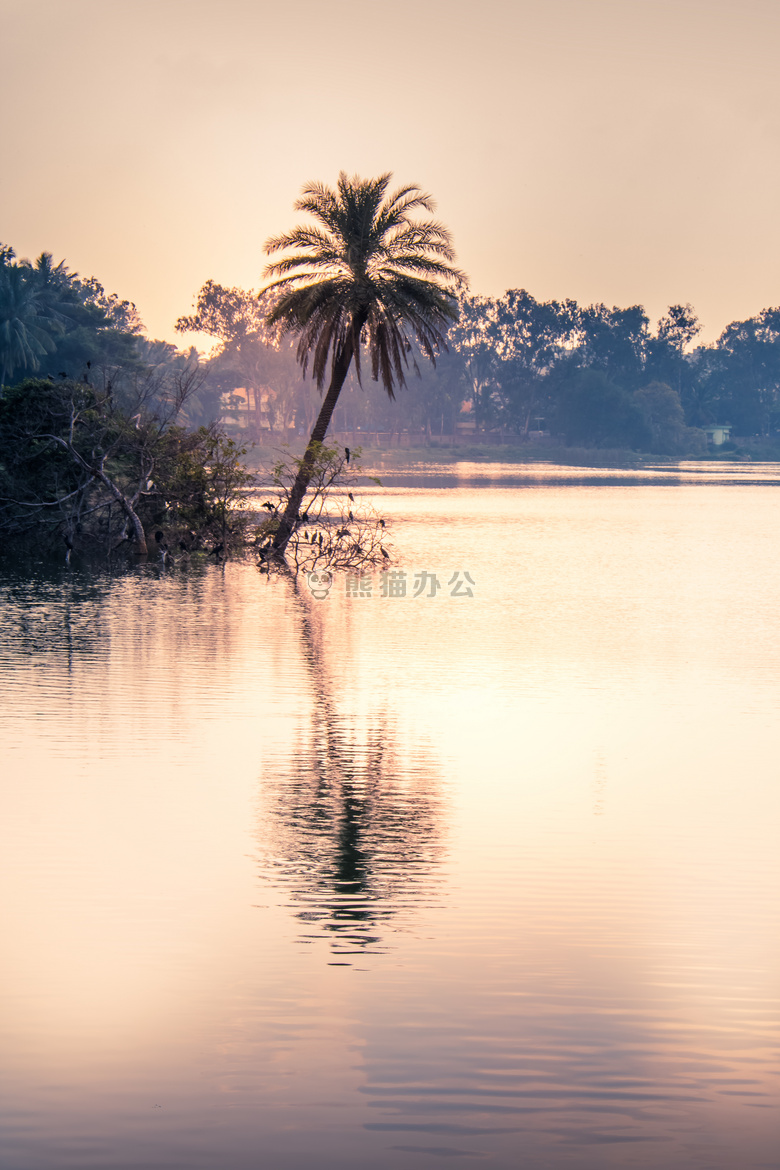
(395, 881)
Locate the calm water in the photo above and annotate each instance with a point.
(383, 881)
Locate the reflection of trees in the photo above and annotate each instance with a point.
(52, 612)
(354, 833)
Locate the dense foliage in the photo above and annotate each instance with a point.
(75, 467)
(106, 437)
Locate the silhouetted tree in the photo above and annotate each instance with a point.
(367, 275)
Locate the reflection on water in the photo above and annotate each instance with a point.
(350, 840)
(376, 882)
(467, 474)
(353, 834)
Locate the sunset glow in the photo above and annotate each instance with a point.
(607, 151)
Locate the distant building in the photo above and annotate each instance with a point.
(718, 433)
(243, 406)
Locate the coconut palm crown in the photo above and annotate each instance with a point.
(366, 274)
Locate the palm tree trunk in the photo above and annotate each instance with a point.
(290, 516)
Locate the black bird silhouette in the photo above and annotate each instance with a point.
(382, 523)
(268, 505)
(346, 452)
(159, 536)
(351, 496)
(386, 555)
(351, 516)
(62, 374)
(216, 551)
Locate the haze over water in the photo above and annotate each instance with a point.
(390, 881)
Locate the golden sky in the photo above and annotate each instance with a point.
(611, 150)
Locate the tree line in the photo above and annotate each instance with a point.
(591, 375)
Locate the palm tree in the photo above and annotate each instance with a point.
(367, 275)
(26, 323)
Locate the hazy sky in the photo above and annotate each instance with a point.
(609, 150)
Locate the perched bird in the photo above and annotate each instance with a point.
(381, 523)
(347, 453)
(351, 516)
(269, 506)
(385, 554)
(216, 551)
(351, 496)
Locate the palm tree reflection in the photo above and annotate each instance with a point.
(354, 833)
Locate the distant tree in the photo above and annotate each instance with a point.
(666, 357)
(743, 375)
(471, 339)
(533, 341)
(231, 315)
(434, 407)
(664, 420)
(250, 357)
(614, 342)
(592, 411)
(367, 274)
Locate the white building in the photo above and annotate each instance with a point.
(718, 433)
